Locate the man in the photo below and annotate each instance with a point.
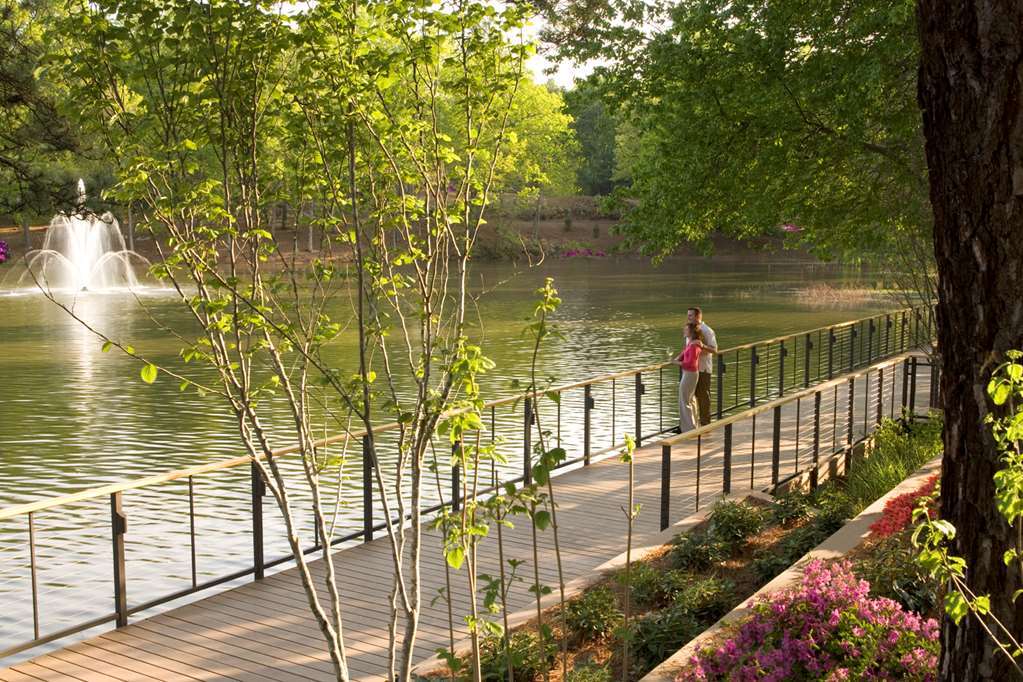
(695, 316)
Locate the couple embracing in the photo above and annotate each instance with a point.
(697, 365)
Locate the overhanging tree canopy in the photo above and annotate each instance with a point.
(754, 114)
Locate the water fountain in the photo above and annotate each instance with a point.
(83, 252)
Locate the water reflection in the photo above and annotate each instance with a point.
(74, 417)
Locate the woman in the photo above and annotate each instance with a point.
(689, 360)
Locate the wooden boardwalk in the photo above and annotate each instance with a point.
(263, 632)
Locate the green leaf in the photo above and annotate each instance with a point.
(1001, 393)
(107, 345)
(557, 456)
(956, 606)
(982, 605)
(542, 519)
(455, 557)
(1015, 372)
(148, 373)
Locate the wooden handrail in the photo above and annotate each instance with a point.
(784, 400)
(103, 491)
(18, 230)
(840, 325)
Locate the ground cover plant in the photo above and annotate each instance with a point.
(886, 559)
(673, 594)
(899, 449)
(898, 511)
(870, 617)
(828, 628)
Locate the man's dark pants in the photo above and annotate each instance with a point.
(703, 398)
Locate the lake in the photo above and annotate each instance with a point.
(74, 417)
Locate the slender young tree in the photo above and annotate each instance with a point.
(972, 100)
(218, 111)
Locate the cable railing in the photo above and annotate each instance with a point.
(197, 528)
(794, 435)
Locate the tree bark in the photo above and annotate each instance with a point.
(971, 94)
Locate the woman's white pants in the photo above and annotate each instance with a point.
(687, 400)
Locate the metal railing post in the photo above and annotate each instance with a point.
(118, 527)
(699, 462)
(776, 446)
(912, 387)
(905, 383)
(887, 334)
(808, 346)
(527, 442)
(191, 530)
(814, 474)
(367, 489)
(880, 395)
(588, 403)
(258, 490)
(640, 391)
(32, 572)
(665, 484)
(727, 473)
(831, 353)
(870, 341)
(852, 347)
(753, 360)
(902, 339)
(849, 424)
(782, 352)
(721, 384)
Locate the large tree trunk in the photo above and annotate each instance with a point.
(971, 94)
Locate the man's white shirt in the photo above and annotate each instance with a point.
(710, 340)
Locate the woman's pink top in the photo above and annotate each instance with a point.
(691, 357)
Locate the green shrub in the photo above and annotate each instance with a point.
(834, 508)
(696, 551)
(792, 547)
(892, 572)
(898, 451)
(767, 566)
(660, 634)
(706, 598)
(734, 521)
(644, 585)
(791, 507)
(527, 659)
(593, 615)
(589, 673)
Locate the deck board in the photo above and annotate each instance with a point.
(263, 631)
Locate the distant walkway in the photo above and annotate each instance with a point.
(263, 630)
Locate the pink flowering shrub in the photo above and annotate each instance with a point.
(898, 511)
(584, 253)
(828, 629)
